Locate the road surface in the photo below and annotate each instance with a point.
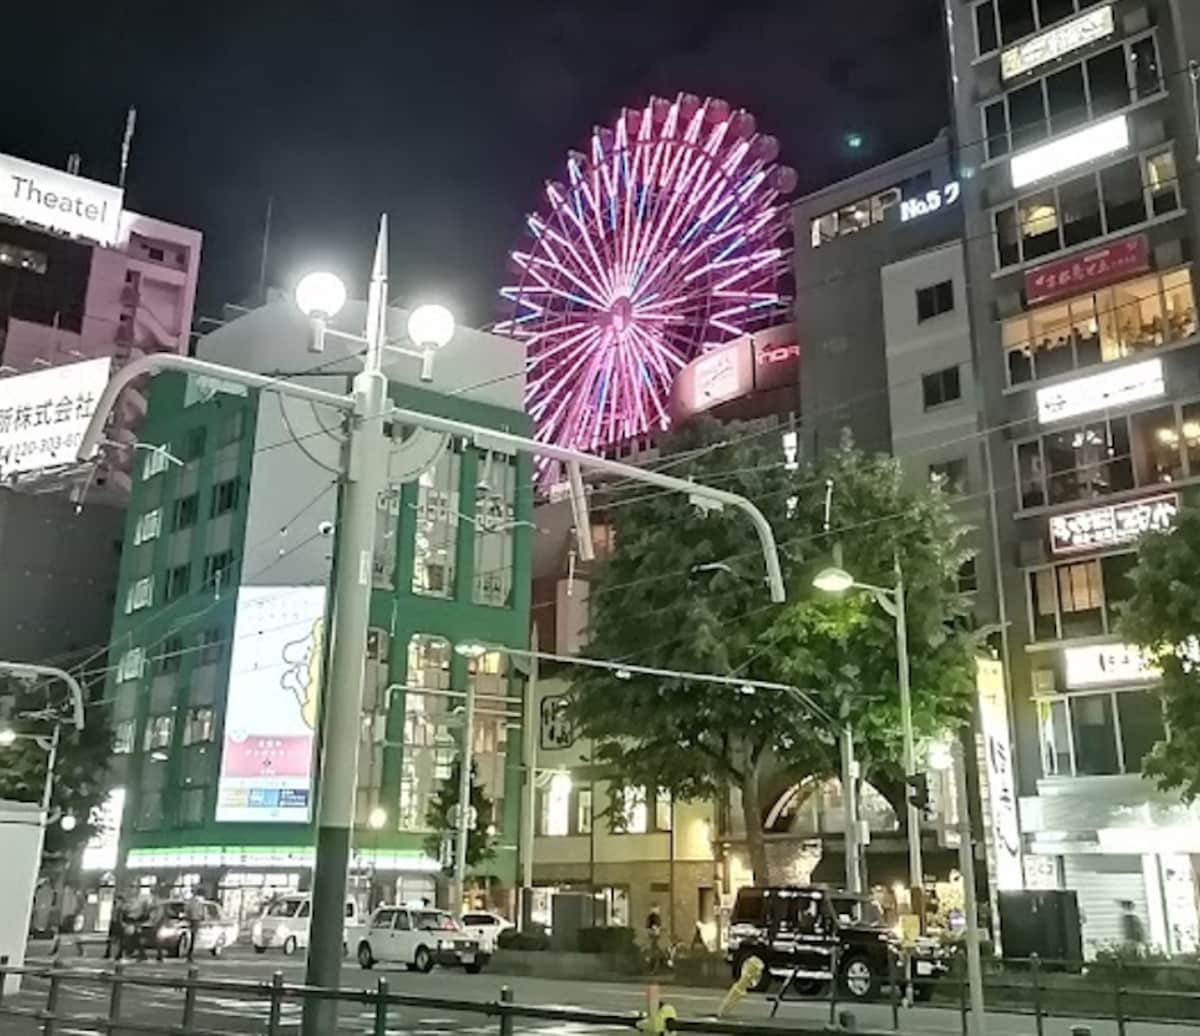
(227, 1012)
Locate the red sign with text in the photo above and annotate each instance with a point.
(1088, 270)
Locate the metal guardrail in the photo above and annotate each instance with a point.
(276, 993)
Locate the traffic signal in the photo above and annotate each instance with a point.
(918, 784)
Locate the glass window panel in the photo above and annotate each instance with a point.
(429, 744)
(1190, 429)
(1162, 181)
(852, 218)
(1079, 204)
(1056, 738)
(1039, 225)
(1051, 11)
(437, 527)
(883, 201)
(1066, 99)
(1180, 305)
(1138, 306)
(1120, 467)
(1051, 326)
(1027, 116)
(583, 820)
(1108, 81)
(1032, 474)
(1015, 335)
(494, 531)
(824, 229)
(1016, 19)
(1142, 727)
(632, 815)
(1063, 456)
(1007, 245)
(1111, 346)
(662, 810)
(1094, 735)
(1157, 447)
(995, 123)
(1085, 330)
(1147, 75)
(1045, 606)
(1121, 189)
(1081, 599)
(985, 27)
(1117, 584)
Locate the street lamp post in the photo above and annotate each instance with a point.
(891, 600)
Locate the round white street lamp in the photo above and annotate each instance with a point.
(377, 818)
(67, 823)
(430, 327)
(8, 736)
(833, 580)
(320, 296)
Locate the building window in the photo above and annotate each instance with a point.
(1017, 19)
(1070, 97)
(950, 474)
(211, 647)
(218, 568)
(157, 735)
(430, 747)
(150, 813)
(22, 258)
(187, 509)
(1099, 734)
(663, 812)
(156, 461)
(170, 658)
(494, 531)
(556, 807)
(179, 581)
(140, 595)
(224, 497)
(1057, 218)
(968, 577)
(583, 812)
(1078, 599)
(437, 526)
(941, 387)
(148, 527)
(123, 732)
(191, 807)
(198, 726)
(987, 34)
(631, 816)
(935, 300)
(131, 665)
(1100, 327)
(194, 443)
(233, 427)
(858, 215)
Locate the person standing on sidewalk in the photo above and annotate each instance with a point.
(193, 913)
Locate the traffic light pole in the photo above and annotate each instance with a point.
(916, 868)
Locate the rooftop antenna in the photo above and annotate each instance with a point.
(266, 245)
(73, 163)
(130, 124)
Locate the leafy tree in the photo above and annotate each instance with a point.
(684, 590)
(441, 818)
(82, 777)
(1162, 617)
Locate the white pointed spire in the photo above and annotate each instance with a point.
(377, 294)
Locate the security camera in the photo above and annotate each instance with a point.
(325, 528)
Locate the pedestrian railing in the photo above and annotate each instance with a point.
(55, 1015)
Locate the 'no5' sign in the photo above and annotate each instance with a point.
(931, 201)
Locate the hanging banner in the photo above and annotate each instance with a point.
(1001, 780)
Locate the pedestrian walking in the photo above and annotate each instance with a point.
(193, 913)
(115, 944)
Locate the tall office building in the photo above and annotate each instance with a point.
(1076, 137)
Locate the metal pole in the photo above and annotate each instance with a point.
(966, 867)
(532, 735)
(850, 807)
(344, 683)
(51, 762)
(458, 887)
(916, 869)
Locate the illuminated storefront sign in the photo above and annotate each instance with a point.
(1110, 526)
(931, 201)
(1085, 145)
(100, 853)
(776, 358)
(43, 415)
(32, 193)
(1062, 39)
(271, 710)
(752, 363)
(1103, 665)
(1002, 785)
(1092, 269)
(1101, 391)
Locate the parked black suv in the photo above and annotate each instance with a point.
(807, 928)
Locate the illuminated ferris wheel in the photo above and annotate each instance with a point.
(670, 235)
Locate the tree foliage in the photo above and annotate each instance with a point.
(441, 818)
(82, 776)
(685, 590)
(1162, 617)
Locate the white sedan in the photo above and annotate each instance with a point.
(486, 927)
(419, 939)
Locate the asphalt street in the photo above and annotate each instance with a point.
(232, 1012)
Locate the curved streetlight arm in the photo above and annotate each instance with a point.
(766, 535)
(94, 436)
(54, 673)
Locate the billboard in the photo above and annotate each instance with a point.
(271, 707)
(1087, 271)
(752, 363)
(100, 853)
(1099, 527)
(1001, 779)
(1105, 391)
(51, 198)
(43, 415)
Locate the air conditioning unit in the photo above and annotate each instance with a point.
(1045, 681)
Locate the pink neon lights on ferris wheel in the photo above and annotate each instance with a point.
(671, 234)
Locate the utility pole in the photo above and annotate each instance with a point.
(463, 820)
(966, 866)
(916, 867)
(343, 692)
(850, 805)
(528, 814)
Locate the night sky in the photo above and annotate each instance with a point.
(449, 116)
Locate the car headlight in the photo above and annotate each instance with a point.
(164, 932)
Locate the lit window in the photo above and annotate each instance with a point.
(430, 747)
(155, 462)
(158, 733)
(437, 526)
(122, 743)
(22, 258)
(148, 527)
(494, 530)
(632, 818)
(131, 665)
(140, 595)
(583, 821)
(556, 806)
(662, 810)
(950, 474)
(198, 729)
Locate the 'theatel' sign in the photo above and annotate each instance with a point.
(50, 198)
(1101, 527)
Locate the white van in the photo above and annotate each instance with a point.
(285, 923)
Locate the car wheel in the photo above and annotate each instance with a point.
(922, 993)
(764, 979)
(473, 969)
(366, 959)
(423, 960)
(181, 947)
(289, 945)
(260, 949)
(218, 946)
(859, 979)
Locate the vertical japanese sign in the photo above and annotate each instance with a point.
(1002, 785)
(272, 704)
(43, 415)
